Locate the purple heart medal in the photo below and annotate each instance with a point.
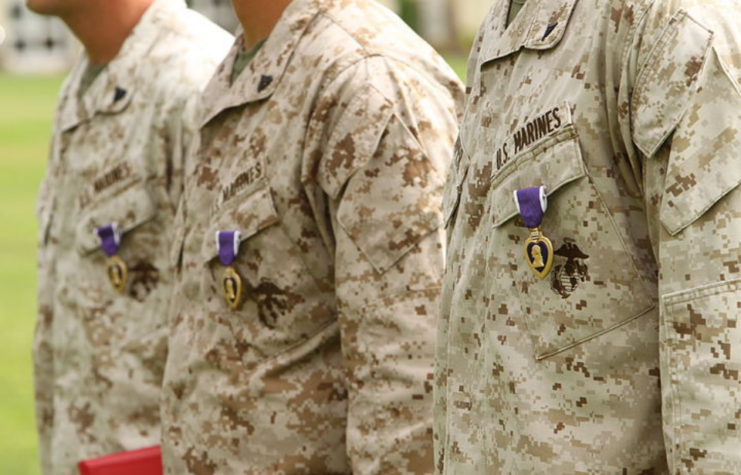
(110, 242)
(532, 204)
(227, 243)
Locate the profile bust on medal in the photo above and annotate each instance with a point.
(537, 257)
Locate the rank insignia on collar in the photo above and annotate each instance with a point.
(532, 204)
(227, 244)
(119, 94)
(110, 242)
(265, 82)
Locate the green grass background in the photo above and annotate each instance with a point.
(26, 110)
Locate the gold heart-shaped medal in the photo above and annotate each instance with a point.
(232, 285)
(539, 253)
(118, 273)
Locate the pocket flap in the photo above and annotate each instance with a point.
(129, 209)
(354, 141)
(394, 202)
(249, 216)
(703, 167)
(666, 85)
(554, 163)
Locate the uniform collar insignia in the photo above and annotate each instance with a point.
(119, 94)
(549, 29)
(262, 76)
(539, 26)
(265, 81)
(113, 89)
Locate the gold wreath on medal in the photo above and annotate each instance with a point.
(539, 253)
(232, 285)
(118, 273)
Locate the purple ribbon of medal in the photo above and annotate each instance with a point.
(532, 204)
(110, 243)
(227, 245)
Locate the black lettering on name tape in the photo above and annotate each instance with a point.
(243, 180)
(112, 177)
(108, 179)
(530, 133)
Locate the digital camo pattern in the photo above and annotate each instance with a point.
(626, 359)
(117, 156)
(328, 154)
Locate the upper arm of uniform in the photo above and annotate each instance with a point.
(43, 199)
(375, 167)
(671, 57)
(687, 98)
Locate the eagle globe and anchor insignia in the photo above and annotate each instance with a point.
(567, 277)
(227, 245)
(532, 204)
(110, 243)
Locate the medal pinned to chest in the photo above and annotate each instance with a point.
(532, 204)
(117, 270)
(227, 244)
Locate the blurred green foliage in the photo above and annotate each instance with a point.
(26, 109)
(408, 11)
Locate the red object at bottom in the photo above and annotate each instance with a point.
(137, 462)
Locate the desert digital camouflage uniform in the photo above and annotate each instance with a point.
(626, 359)
(117, 156)
(329, 154)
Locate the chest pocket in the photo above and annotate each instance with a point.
(130, 208)
(282, 305)
(594, 286)
(122, 324)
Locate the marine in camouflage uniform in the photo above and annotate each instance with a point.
(626, 358)
(328, 153)
(117, 157)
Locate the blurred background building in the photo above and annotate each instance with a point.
(33, 44)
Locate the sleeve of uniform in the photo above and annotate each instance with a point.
(43, 364)
(383, 167)
(686, 121)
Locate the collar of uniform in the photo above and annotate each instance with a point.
(540, 25)
(262, 76)
(112, 91)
